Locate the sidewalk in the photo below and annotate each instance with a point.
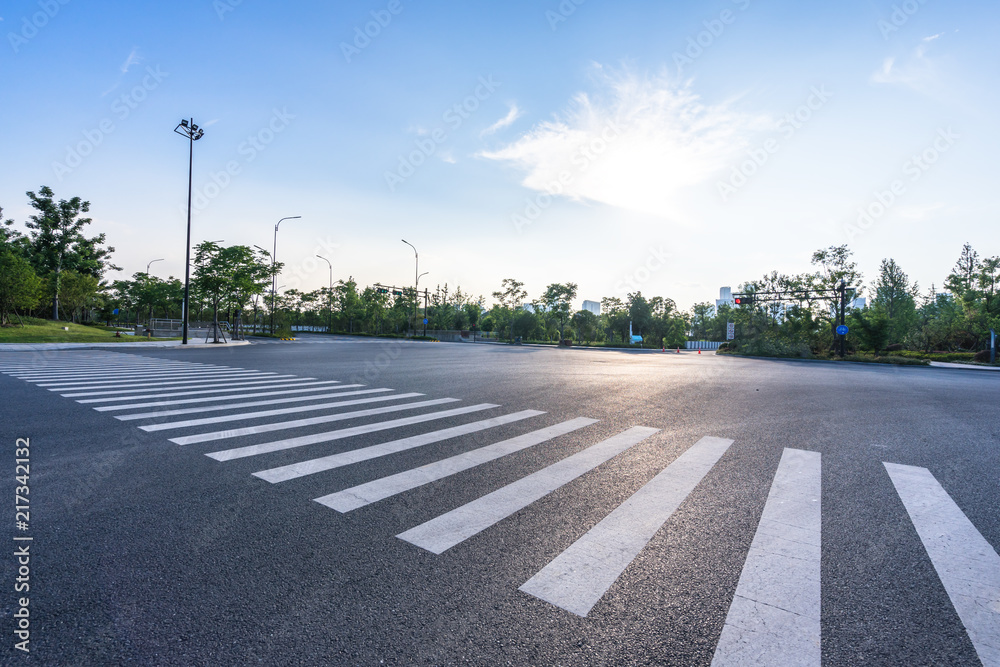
(37, 347)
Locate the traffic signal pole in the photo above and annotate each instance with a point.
(842, 288)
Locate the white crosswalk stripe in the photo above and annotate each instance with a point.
(119, 387)
(313, 387)
(291, 443)
(447, 530)
(285, 473)
(366, 494)
(311, 421)
(250, 404)
(285, 411)
(580, 576)
(969, 568)
(775, 615)
(229, 387)
(218, 382)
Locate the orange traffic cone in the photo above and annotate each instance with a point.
(699, 351)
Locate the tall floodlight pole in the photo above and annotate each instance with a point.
(329, 295)
(416, 281)
(150, 263)
(193, 133)
(274, 259)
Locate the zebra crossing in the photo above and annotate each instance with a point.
(775, 614)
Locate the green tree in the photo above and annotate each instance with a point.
(557, 299)
(895, 298)
(79, 292)
(509, 299)
(56, 242)
(20, 287)
(586, 324)
(963, 277)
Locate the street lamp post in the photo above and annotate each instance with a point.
(416, 281)
(193, 133)
(274, 259)
(147, 280)
(329, 295)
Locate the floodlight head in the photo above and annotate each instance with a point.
(184, 123)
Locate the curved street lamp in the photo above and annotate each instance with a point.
(193, 133)
(147, 278)
(416, 282)
(329, 295)
(274, 259)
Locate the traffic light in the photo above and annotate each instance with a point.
(382, 290)
(397, 293)
(744, 300)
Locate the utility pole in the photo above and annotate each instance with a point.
(842, 288)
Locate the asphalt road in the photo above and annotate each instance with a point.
(147, 551)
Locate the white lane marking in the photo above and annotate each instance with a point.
(143, 377)
(279, 445)
(580, 576)
(122, 371)
(112, 366)
(219, 419)
(265, 384)
(164, 382)
(366, 494)
(451, 528)
(222, 406)
(105, 371)
(249, 404)
(108, 365)
(968, 566)
(295, 470)
(298, 423)
(774, 618)
(229, 384)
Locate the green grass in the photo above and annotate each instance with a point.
(49, 331)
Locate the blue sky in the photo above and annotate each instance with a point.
(663, 146)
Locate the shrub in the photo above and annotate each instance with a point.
(983, 356)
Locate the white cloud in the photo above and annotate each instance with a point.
(916, 71)
(640, 143)
(506, 121)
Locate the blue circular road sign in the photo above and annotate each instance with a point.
(842, 330)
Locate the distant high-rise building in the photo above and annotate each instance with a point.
(725, 297)
(592, 306)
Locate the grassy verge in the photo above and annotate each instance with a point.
(49, 331)
(862, 358)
